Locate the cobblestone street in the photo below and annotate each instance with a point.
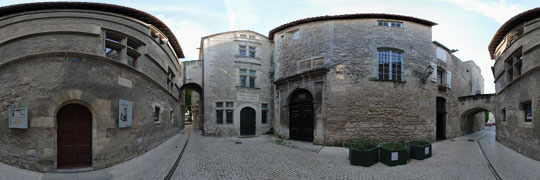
(265, 158)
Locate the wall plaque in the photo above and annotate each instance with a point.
(124, 113)
(247, 97)
(18, 117)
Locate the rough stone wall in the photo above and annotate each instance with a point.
(193, 72)
(222, 63)
(64, 62)
(515, 133)
(352, 103)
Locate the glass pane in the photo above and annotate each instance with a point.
(219, 116)
(111, 53)
(264, 117)
(243, 71)
(243, 81)
(264, 106)
(243, 47)
(219, 104)
(131, 61)
(251, 53)
(229, 116)
(243, 53)
(230, 104)
(252, 72)
(252, 82)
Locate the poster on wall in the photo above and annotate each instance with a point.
(124, 113)
(18, 117)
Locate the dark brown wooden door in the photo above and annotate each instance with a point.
(441, 119)
(74, 137)
(247, 121)
(301, 123)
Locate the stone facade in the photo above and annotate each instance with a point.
(222, 84)
(517, 82)
(335, 60)
(350, 100)
(64, 62)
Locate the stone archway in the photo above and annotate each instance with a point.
(472, 120)
(197, 108)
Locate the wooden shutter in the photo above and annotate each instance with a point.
(448, 79)
(433, 76)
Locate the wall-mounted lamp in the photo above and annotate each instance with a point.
(429, 71)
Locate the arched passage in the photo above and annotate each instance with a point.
(301, 115)
(473, 120)
(74, 137)
(193, 101)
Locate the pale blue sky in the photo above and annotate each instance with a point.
(467, 25)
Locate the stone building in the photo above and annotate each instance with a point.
(515, 49)
(345, 77)
(333, 79)
(85, 85)
(237, 86)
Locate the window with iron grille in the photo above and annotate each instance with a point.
(390, 65)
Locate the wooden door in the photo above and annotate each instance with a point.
(74, 137)
(301, 117)
(247, 121)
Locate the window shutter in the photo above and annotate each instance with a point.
(434, 74)
(448, 79)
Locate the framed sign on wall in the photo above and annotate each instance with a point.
(124, 113)
(18, 117)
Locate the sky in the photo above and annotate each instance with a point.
(466, 25)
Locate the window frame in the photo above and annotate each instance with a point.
(126, 47)
(386, 56)
(525, 107)
(264, 113)
(223, 112)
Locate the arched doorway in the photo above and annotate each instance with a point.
(247, 121)
(301, 125)
(441, 119)
(74, 137)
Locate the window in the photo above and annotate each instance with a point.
(514, 65)
(156, 113)
(247, 36)
(247, 51)
(264, 118)
(170, 79)
(440, 77)
(229, 116)
(390, 24)
(252, 51)
(219, 116)
(503, 114)
(121, 48)
(252, 77)
(244, 77)
(224, 114)
(527, 109)
(390, 65)
(243, 50)
(294, 34)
